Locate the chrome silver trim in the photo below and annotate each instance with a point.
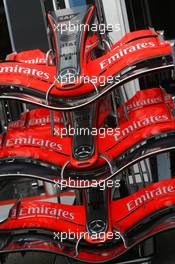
(63, 168)
(108, 162)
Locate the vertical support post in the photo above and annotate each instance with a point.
(119, 16)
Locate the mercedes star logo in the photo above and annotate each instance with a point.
(68, 75)
(97, 226)
(83, 152)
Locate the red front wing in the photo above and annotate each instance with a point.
(133, 219)
(150, 114)
(37, 83)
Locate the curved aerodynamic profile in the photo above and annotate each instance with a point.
(79, 174)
